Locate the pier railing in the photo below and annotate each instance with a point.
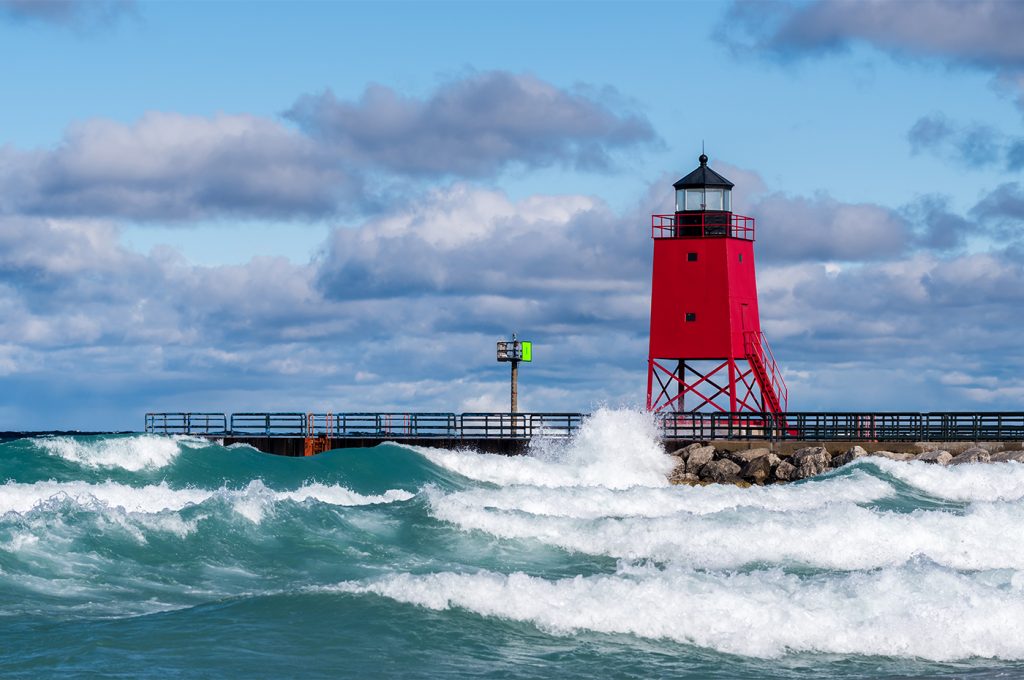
(951, 426)
(368, 425)
(834, 426)
(186, 423)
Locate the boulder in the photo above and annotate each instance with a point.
(759, 469)
(720, 471)
(810, 461)
(811, 466)
(699, 457)
(685, 451)
(972, 455)
(785, 471)
(894, 456)
(1006, 456)
(815, 452)
(938, 457)
(685, 478)
(852, 454)
(744, 457)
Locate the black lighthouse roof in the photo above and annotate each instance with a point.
(703, 177)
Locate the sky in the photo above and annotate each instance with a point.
(333, 206)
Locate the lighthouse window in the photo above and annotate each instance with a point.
(741, 257)
(691, 316)
(694, 199)
(706, 199)
(713, 199)
(692, 257)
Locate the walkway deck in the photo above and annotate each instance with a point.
(297, 434)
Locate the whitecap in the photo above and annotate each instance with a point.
(968, 482)
(252, 501)
(839, 535)
(615, 449)
(129, 453)
(914, 611)
(601, 502)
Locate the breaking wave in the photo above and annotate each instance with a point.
(920, 611)
(154, 498)
(131, 453)
(898, 568)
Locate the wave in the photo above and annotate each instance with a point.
(966, 483)
(833, 535)
(612, 449)
(156, 498)
(919, 611)
(132, 453)
(603, 502)
(879, 558)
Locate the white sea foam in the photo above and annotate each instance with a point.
(251, 501)
(333, 494)
(837, 535)
(21, 498)
(132, 453)
(915, 611)
(970, 482)
(601, 502)
(615, 449)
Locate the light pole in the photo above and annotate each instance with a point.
(514, 351)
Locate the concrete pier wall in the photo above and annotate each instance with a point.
(295, 446)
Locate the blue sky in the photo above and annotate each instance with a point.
(341, 206)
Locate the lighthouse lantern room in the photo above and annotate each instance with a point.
(707, 351)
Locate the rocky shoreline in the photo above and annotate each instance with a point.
(701, 463)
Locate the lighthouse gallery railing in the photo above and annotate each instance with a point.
(702, 225)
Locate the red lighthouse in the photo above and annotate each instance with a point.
(707, 351)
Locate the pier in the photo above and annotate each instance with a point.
(304, 434)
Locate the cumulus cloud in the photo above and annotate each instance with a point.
(822, 228)
(1002, 210)
(65, 12)
(472, 127)
(984, 33)
(400, 311)
(939, 228)
(888, 335)
(91, 325)
(971, 145)
(175, 167)
(463, 239)
(171, 166)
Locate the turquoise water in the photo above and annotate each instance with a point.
(140, 556)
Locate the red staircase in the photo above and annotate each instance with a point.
(774, 393)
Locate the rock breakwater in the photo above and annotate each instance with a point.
(701, 463)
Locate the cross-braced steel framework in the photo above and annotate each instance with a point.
(726, 386)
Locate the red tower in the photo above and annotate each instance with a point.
(707, 351)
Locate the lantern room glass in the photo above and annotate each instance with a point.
(704, 198)
(695, 199)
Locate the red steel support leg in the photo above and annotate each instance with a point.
(650, 380)
(732, 385)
